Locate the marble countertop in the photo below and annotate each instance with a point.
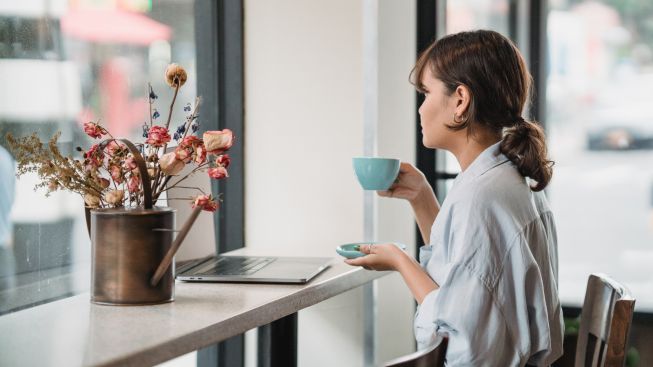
(74, 332)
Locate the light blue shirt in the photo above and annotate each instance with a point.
(493, 252)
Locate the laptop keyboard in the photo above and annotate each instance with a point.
(232, 265)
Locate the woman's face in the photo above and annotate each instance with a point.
(436, 112)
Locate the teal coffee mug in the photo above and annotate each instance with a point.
(376, 173)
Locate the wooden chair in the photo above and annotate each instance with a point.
(604, 323)
(432, 356)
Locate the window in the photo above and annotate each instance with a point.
(467, 15)
(600, 130)
(64, 63)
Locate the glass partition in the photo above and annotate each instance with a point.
(600, 83)
(467, 15)
(64, 63)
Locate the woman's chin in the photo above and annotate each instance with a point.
(428, 144)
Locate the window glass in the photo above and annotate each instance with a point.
(63, 63)
(467, 15)
(600, 129)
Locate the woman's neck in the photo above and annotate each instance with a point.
(471, 147)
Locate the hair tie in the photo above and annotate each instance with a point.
(520, 121)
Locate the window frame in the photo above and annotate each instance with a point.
(219, 54)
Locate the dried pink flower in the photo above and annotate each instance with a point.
(218, 141)
(158, 136)
(130, 163)
(116, 174)
(218, 173)
(200, 154)
(94, 156)
(133, 183)
(206, 202)
(170, 165)
(94, 130)
(223, 160)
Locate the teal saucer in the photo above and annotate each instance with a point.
(350, 250)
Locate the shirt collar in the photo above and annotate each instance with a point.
(488, 159)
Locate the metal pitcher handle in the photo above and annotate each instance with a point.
(167, 260)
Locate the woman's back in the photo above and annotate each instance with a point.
(494, 256)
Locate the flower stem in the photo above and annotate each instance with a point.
(149, 91)
(188, 175)
(174, 98)
(192, 117)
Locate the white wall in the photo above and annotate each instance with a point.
(303, 123)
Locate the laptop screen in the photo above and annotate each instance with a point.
(200, 241)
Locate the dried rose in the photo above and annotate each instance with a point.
(170, 165)
(115, 148)
(103, 182)
(200, 154)
(93, 157)
(158, 136)
(223, 160)
(190, 141)
(218, 173)
(116, 173)
(92, 201)
(175, 75)
(218, 141)
(133, 183)
(183, 154)
(130, 163)
(206, 202)
(187, 148)
(115, 197)
(94, 130)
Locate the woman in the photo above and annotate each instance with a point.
(487, 277)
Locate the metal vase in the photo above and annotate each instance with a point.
(128, 247)
(129, 244)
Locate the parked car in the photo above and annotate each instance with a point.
(619, 138)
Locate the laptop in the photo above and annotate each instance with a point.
(253, 269)
(226, 268)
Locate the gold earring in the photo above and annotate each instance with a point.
(462, 121)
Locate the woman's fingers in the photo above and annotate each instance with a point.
(363, 260)
(359, 261)
(405, 167)
(385, 193)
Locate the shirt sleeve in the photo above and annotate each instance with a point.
(425, 253)
(464, 310)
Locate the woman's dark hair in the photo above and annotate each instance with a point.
(495, 73)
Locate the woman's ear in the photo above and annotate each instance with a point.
(462, 100)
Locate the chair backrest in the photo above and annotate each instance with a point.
(604, 323)
(433, 356)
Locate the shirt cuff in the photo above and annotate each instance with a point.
(425, 255)
(425, 327)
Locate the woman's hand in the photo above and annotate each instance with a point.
(379, 257)
(411, 184)
(390, 257)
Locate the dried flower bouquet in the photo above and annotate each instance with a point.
(108, 176)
